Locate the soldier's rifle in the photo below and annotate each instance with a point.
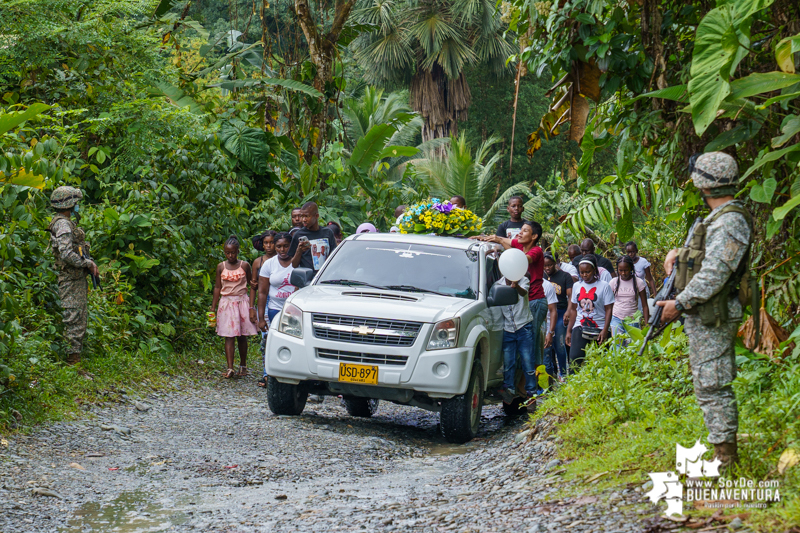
(85, 255)
(656, 328)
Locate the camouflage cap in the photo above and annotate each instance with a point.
(65, 197)
(714, 169)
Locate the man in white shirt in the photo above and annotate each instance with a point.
(570, 269)
(549, 328)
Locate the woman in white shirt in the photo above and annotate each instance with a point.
(274, 279)
(641, 266)
(273, 285)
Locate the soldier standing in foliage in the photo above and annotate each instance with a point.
(709, 272)
(71, 252)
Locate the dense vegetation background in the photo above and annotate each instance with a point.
(184, 122)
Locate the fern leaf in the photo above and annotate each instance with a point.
(619, 200)
(642, 195)
(595, 216)
(626, 198)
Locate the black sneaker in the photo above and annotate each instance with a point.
(508, 395)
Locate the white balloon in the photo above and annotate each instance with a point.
(513, 264)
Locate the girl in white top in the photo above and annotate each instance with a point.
(274, 280)
(641, 266)
(590, 308)
(629, 292)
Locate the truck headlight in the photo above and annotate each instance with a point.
(291, 321)
(444, 334)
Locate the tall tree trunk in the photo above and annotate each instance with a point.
(514, 119)
(322, 49)
(441, 102)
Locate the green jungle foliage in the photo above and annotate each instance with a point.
(672, 79)
(186, 124)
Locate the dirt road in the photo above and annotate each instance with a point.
(215, 459)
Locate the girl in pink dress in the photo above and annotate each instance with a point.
(233, 313)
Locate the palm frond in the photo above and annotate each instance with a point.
(483, 149)
(386, 56)
(452, 56)
(494, 46)
(460, 172)
(433, 29)
(434, 145)
(378, 13)
(609, 202)
(466, 11)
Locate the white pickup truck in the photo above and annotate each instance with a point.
(402, 318)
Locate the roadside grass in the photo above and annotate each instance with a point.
(50, 390)
(122, 354)
(621, 416)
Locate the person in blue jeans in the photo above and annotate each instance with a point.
(562, 283)
(527, 240)
(517, 337)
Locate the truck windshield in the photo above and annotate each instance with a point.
(405, 267)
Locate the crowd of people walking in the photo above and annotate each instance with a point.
(568, 304)
(563, 307)
(571, 304)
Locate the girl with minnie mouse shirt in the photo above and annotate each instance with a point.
(593, 302)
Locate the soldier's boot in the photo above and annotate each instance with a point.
(73, 358)
(728, 454)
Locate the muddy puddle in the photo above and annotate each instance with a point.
(130, 511)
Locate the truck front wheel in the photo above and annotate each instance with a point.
(461, 416)
(285, 398)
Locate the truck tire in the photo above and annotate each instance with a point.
(461, 416)
(515, 408)
(285, 398)
(360, 407)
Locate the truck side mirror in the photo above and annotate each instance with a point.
(501, 295)
(301, 277)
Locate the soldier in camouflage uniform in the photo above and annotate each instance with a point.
(712, 357)
(69, 247)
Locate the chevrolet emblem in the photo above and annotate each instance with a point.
(363, 330)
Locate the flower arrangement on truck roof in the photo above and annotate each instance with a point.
(441, 218)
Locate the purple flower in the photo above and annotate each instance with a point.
(444, 208)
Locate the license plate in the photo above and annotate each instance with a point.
(358, 373)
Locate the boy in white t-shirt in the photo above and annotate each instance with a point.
(549, 329)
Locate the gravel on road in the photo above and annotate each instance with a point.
(214, 458)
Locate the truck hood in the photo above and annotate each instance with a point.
(376, 303)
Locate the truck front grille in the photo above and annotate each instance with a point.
(365, 358)
(361, 330)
